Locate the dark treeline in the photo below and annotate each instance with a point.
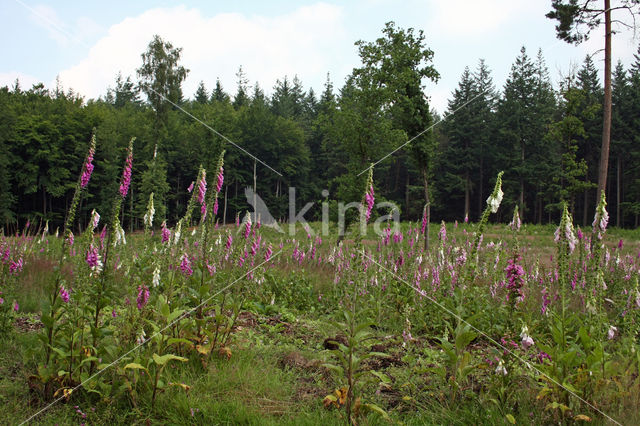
(546, 139)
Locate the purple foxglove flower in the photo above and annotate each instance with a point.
(166, 233)
(87, 168)
(220, 179)
(64, 294)
(126, 174)
(185, 265)
(143, 296)
(202, 187)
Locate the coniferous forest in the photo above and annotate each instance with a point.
(546, 137)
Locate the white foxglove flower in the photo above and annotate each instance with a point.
(156, 277)
(176, 234)
(494, 200)
(500, 369)
(612, 332)
(527, 341)
(95, 219)
(148, 216)
(119, 234)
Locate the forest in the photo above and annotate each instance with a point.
(545, 138)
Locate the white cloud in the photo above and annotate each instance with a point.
(309, 41)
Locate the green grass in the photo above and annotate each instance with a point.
(275, 375)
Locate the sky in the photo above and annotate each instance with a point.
(85, 44)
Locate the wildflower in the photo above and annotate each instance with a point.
(466, 218)
(95, 219)
(64, 294)
(369, 198)
(141, 337)
(612, 332)
(166, 234)
(16, 307)
(495, 198)
(148, 216)
(542, 356)
(178, 231)
(527, 341)
(203, 211)
(601, 218)
(92, 257)
(515, 221)
(220, 178)
(119, 234)
(500, 369)
(424, 220)
(87, 168)
(545, 300)
(215, 206)
(143, 296)
(70, 239)
(16, 266)
(202, 187)
(255, 246)
(211, 268)
(126, 173)
(515, 279)
(185, 265)
(229, 241)
(368, 194)
(268, 253)
(247, 226)
(156, 277)
(565, 230)
(442, 234)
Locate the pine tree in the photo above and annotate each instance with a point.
(461, 126)
(242, 93)
(484, 109)
(201, 93)
(516, 132)
(218, 94)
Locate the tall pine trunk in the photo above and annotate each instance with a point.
(606, 125)
(618, 192)
(467, 183)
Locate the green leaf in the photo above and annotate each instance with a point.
(383, 377)
(375, 409)
(134, 366)
(165, 311)
(511, 419)
(174, 315)
(335, 368)
(162, 360)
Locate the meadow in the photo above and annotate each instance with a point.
(240, 324)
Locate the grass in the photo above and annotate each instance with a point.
(275, 374)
